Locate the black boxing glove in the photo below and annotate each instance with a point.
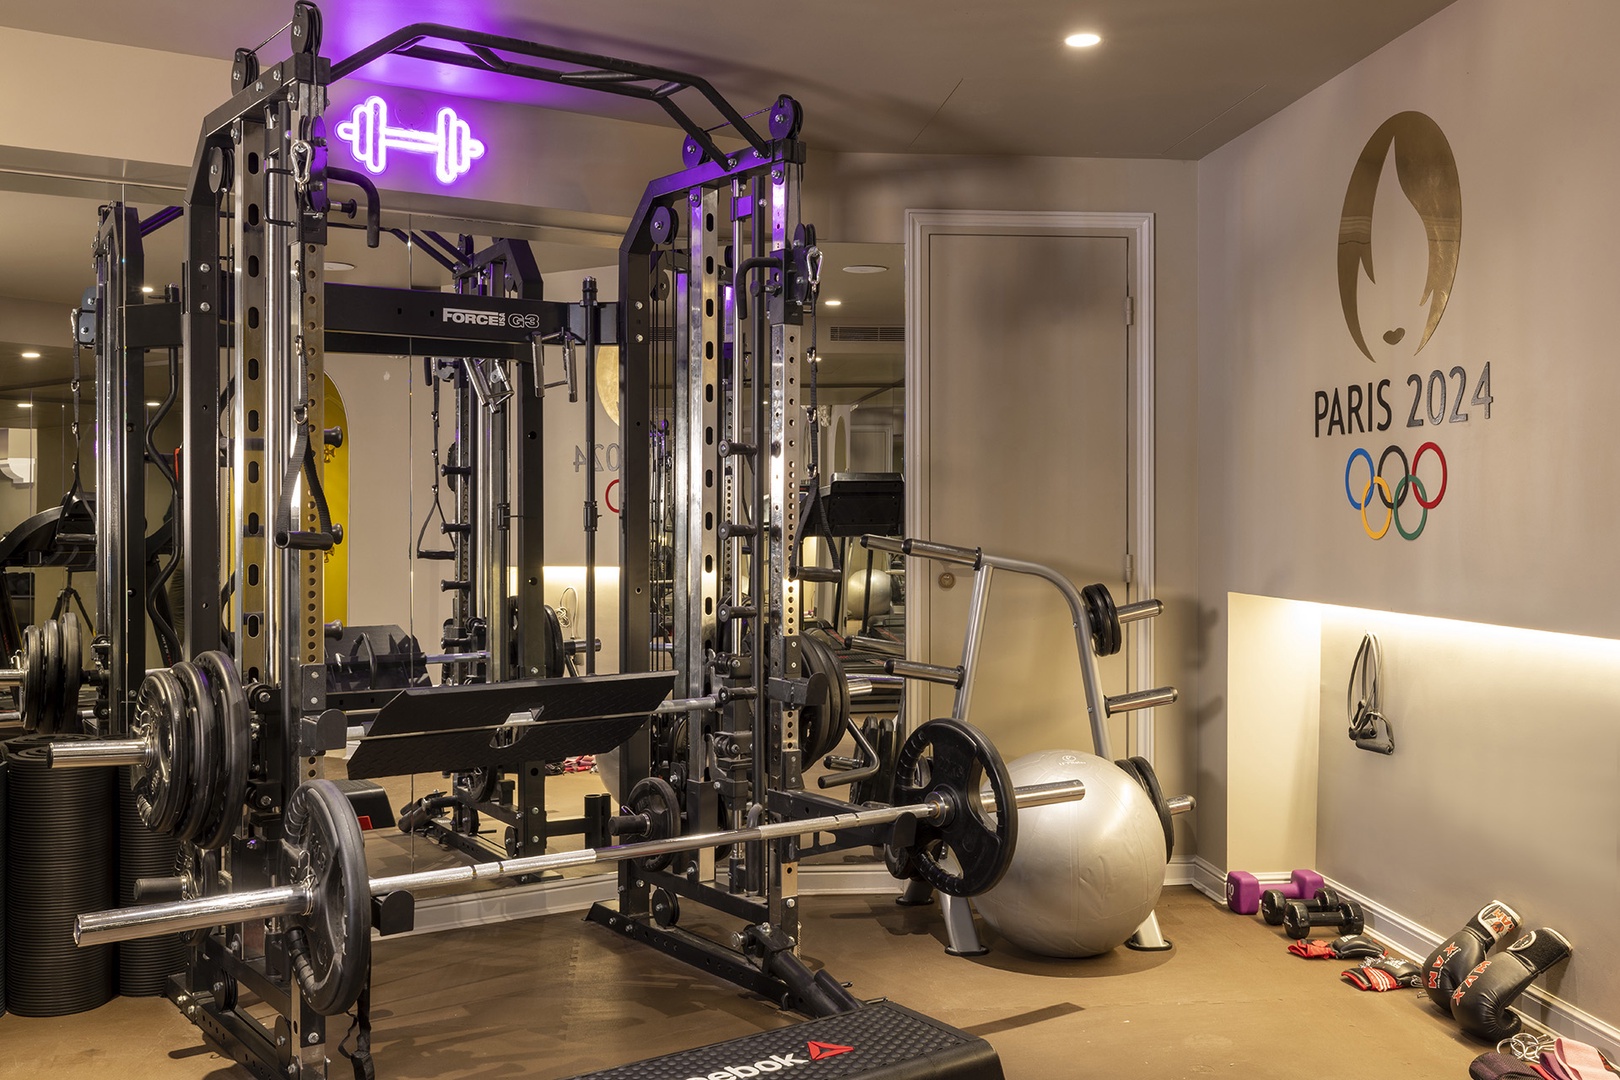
(1355, 947)
(1454, 959)
(1480, 1002)
(1383, 974)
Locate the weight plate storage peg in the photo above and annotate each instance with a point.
(950, 759)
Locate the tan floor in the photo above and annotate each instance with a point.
(554, 997)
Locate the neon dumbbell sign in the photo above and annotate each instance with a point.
(370, 138)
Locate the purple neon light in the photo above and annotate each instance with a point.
(450, 143)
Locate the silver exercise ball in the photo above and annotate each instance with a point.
(855, 590)
(1084, 874)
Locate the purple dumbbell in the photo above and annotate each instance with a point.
(1243, 889)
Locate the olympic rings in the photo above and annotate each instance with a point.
(1366, 497)
(1444, 475)
(1394, 498)
(1400, 495)
(1406, 469)
(1358, 452)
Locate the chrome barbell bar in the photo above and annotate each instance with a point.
(126, 924)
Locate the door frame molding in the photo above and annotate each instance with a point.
(1137, 228)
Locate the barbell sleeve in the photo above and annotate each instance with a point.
(11, 676)
(924, 549)
(179, 916)
(1141, 699)
(1142, 609)
(97, 753)
(916, 669)
(126, 924)
(1180, 804)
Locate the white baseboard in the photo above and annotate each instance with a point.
(1209, 879)
(1182, 870)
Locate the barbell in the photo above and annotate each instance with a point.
(957, 798)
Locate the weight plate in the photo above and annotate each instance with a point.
(1150, 783)
(656, 798)
(30, 690)
(556, 654)
(1116, 636)
(331, 946)
(198, 871)
(72, 667)
(959, 761)
(231, 711)
(162, 722)
(206, 771)
(50, 698)
(821, 725)
(475, 785)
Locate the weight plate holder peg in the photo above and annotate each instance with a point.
(327, 901)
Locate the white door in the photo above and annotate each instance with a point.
(1027, 412)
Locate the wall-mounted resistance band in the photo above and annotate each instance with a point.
(1369, 729)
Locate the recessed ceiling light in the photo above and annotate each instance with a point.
(335, 264)
(865, 268)
(833, 303)
(146, 288)
(1082, 41)
(25, 404)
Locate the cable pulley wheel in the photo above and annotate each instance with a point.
(953, 761)
(235, 738)
(655, 798)
(331, 946)
(197, 818)
(163, 779)
(1106, 636)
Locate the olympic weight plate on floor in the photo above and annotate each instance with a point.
(955, 761)
(163, 779)
(331, 946)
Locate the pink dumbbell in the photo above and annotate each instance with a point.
(1243, 889)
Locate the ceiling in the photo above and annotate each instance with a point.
(1172, 78)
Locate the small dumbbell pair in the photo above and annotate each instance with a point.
(1243, 893)
(1299, 917)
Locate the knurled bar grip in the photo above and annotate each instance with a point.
(126, 924)
(924, 549)
(916, 669)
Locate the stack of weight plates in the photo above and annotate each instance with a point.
(144, 965)
(61, 859)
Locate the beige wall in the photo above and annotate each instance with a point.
(1495, 785)
(863, 198)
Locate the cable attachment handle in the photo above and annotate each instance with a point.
(1369, 728)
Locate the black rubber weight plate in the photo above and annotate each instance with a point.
(205, 764)
(1145, 776)
(231, 714)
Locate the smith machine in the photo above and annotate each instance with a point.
(722, 702)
